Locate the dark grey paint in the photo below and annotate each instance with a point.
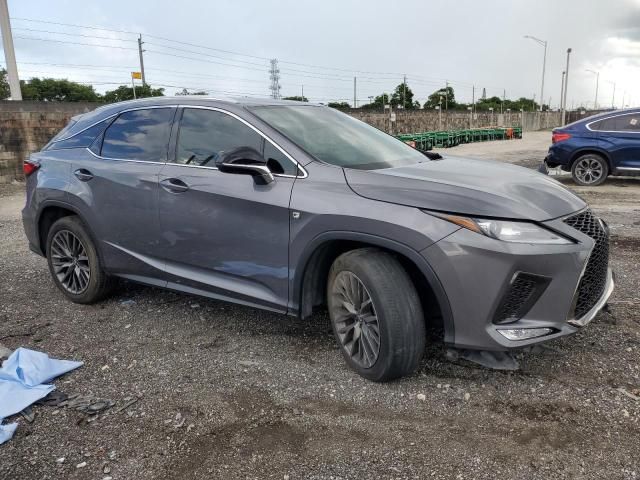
(472, 187)
(202, 231)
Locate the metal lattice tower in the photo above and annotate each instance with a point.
(275, 79)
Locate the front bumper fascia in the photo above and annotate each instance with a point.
(475, 272)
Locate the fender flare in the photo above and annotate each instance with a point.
(67, 206)
(414, 256)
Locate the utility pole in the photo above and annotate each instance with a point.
(504, 96)
(446, 95)
(140, 50)
(544, 64)
(354, 93)
(9, 53)
(595, 102)
(404, 91)
(566, 85)
(473, 99)
(302, 93)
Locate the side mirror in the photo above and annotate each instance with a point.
(247, 161)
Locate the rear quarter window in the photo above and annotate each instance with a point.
(81, 139)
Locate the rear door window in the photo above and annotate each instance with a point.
(620, 123)
(139, 135)
(627, 123)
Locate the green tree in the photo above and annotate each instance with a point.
(378, 103)
(5, 92)
(445, 97)
(526, 104)
(339, 105)
(124, 92)
(297, 98)
(186, 92)
(54, 90)
(402, 96)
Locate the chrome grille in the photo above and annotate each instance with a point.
(594, 280)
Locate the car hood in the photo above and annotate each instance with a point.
(471, 187)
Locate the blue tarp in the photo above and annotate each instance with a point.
(23, 378)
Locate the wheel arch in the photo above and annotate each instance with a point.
(310, 277)
(50, 212)
(592, 150)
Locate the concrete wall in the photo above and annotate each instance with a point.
(26, 126)
(429, 120)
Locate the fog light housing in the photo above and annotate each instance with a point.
(524, 333)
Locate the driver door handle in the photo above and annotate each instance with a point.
(174, 185)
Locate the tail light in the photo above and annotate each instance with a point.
(28, 167)
(559, 137)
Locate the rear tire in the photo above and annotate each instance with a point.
(590, 170)
(376, 314)
(74, 262)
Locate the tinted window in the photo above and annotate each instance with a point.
(621, 123)
(82, 139)
(204, 134)
(278, 161)
(627, 123)
(139, 135)
(606, 124)
(336, 138)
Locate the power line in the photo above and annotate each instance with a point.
(73, 43)
(74, 34)
(71, 25)
(314, 73)
(204, 54)
(396, 74)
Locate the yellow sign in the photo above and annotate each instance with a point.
(136, 75)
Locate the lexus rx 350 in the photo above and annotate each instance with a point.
(292, 207)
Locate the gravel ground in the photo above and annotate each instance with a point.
(223, 391)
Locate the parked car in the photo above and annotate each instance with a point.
(293, 207)
(598, 146)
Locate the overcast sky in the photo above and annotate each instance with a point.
(323, 44)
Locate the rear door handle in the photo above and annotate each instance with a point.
(83, 174)
(174, 185)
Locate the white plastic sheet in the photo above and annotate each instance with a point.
(23, 378)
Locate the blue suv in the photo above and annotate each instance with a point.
(598, 146)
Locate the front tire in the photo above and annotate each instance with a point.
(376, 314)
(74, 262)
(590, 170)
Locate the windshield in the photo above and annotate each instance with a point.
(336, 138)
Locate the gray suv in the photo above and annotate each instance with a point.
(292, 207)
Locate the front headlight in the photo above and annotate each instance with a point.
(507, 231)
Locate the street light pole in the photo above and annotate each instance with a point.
(595, 102)
(613, 98)
(544, 64)
(566, 85)
(562, 91)
(9, 53)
